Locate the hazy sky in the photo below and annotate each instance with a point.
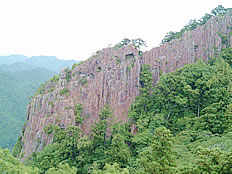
(74, 29)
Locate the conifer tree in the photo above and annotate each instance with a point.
(158, 157)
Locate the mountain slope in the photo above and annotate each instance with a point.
(49, 62)
(14, 97)
(112, 77)
(19, 81)
(17, 67)
(7, 60)
(20, 62)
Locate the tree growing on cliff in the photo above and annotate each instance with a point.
(139, 109)
(204, 19)
(100, 141)
(138, 43)
(219, 10)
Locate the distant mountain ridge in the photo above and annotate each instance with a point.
(48, 62)
(7, 60)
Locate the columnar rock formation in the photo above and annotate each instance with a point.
(112, 76)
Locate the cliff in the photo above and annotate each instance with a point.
(112, 76)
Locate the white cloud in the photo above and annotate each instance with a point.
(74, 29)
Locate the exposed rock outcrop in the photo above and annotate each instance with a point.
(112, 76)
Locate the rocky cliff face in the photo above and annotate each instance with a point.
(112, 76)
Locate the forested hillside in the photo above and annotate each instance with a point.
(183, 125)
(19, 81)
(16, 89)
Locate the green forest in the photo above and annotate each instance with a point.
(182, 125)
(16, 90)
(20, 77)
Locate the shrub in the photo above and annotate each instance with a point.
(83, 80)
(55, 79)
(68, 74)
(118, 60)
(78, 112)
(51, 103)
(48, 129)
(64, 91)
(128, 68)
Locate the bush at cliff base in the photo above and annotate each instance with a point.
(12, 165)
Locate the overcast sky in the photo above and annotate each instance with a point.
(74, 29)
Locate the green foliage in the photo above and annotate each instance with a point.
(20, 81)
(128, 68)
(12, 165)
(74, 65)
(196, 96)
(118, 60)
(174, 35)
(17, 148)
(194, 102)
(226, 54)
(51, 104)
(70, 148)
(62, 169)
(204, 19)
(136, 42)
(63, 150)
(209, 161)
(132, 65)
(124, 42)
(218, 11)
(78, 112)
(99, 134)
(159, 156)
(78, 109)
(84, 80)
(48, 158)
(48, 129)
(64, 91)
(138, 110)
(111, 169)
(77, 64)
(118, 151)
(223, 37)
(55, 79)
(68, 74)
(16, 90)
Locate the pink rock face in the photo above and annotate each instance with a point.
(112, 76)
